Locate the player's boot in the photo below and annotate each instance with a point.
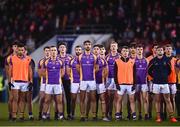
(82, 119)
(105, 119)
(134, 115)
(173, 120)
(146, 117)
(158, 119)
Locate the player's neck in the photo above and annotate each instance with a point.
(139, 56)
(62, 54)
(102, 56)
(113, 53)
(160, 57)
(87, 52)
(46, 57)
(53, 58)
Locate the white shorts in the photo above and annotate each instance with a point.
(150, 85)
(172, 88)
(53, 89)
(85, 85)
(110, 85)
(101, 88)
(23, 87)
(141, 87)
(43, 87)
(75, 88)
(125, 89)
(161, 88)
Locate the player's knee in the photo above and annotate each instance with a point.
(47, 101)
(131, 99)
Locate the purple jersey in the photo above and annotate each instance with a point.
(111, 61)
(141, 70)
(74, 73)
(41, 65)
(102, 64)
(53, 70)
(66, 61)
(87, 67)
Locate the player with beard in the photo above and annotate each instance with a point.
(75, 79)
(159, 69)
(20, 80)
(87, 68)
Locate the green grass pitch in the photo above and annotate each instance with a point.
(76, 122)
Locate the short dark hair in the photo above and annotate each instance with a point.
(87, 41)
(96, 46)
(78, 46)
(155, 44)
(132, 45)
(62, 43)
(20, 45)
(168, 45)
(125, 47)
(52, 46)
(46, 47)
(139, 46)
(160, 46)
(101, 46)
(16, 42)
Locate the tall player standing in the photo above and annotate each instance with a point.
(54, 72)
(159, 69)
(124, 77)
(42, 79)
(141, 81)
(110, 85)
(62, 47)
(20, 80)
(7, 64)
(87, 67)
(101, 75)
(75, 79)
(150, 84)
(172, 79)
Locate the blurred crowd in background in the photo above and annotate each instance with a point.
(34, 21)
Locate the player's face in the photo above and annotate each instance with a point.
(62, 48)
(154, 49)
(114, 47)
(125, 52)
(160, 52)
(139, 50)
(25, 52)
(96, 51)
(47, 52)
(87, 46)
(78, 51)
(14, 48)
(21, 51)
(102, 51)
(53, 51)
(168, 50)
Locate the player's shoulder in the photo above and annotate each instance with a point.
(69, 56)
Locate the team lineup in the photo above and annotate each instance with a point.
(94, 77)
